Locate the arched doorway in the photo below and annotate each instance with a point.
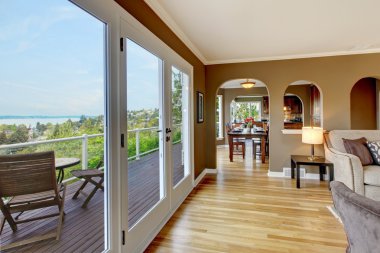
(237, 106)
(302, 105)
(364, 104)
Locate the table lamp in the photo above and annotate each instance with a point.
(312, 135)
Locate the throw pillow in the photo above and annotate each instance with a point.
(359, 148)
(374, 149)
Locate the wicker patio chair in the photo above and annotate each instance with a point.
(29, 183)
(89, 176)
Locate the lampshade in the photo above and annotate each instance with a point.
(248, 84)
(312, 135)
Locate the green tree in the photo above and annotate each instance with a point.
(20, 135)
(3, 137)
(177, 98)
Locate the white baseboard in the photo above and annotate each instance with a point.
(211, 171)
(199, 178)
(285, 173)
(203, 174)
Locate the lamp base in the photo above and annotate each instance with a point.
(313, 158)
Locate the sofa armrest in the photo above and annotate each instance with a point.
(347, 169)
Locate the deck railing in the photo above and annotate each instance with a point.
(85, 139)
(137, 131)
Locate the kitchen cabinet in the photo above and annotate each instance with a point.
(315, 106)
(293, 103)
(266, 105)
(293, 125)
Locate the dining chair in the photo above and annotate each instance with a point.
(28, 182)
(236, 142)
(89, 176)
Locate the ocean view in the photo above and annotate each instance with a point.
(32, 121)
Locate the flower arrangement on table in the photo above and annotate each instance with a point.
(249, 122)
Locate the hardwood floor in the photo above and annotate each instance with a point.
(242, 210)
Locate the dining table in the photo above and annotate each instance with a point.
(247, 134)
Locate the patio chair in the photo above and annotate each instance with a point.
(89, 176)
(29, 183)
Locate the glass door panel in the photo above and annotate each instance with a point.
(144, 124)
(180, 130)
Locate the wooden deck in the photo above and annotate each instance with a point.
(83, 229)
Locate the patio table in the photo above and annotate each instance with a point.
(62, 163)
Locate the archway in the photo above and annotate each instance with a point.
(235, 106)
(364, 104)
(302, 105)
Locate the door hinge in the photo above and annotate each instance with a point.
(122, 140)
(123, 237)
(121, 44)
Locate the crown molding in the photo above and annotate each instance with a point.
(295, 56)
(166, 18)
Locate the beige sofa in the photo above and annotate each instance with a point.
(364, 180)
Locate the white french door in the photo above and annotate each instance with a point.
(180, 118)
(156, 134)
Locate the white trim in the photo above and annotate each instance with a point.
(165, 17)
(294, 56)
(291, 131)
(211, 171)
(281, 174)
(199, 178)
(203, 174)
(275, 174)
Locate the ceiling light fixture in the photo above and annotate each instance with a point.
(248, 84)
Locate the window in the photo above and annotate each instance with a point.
(242, 110)
(219, 116)
(53, 80)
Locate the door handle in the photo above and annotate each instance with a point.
(159, 131)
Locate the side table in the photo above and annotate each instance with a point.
(321, 162)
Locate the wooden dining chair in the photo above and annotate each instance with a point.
(28, 181)
(89, 176)
(237, 142)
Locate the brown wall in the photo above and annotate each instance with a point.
(142, 12)
(363, 104)
(335, 76)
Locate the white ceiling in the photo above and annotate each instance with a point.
(225, 31)
(233, 84)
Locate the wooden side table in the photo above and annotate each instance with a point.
(321, 162)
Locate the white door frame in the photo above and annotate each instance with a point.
(111, 14)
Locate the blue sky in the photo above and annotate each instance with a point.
(51, 59)
(142, 78)
(52, 62)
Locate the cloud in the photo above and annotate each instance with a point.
(30, 28)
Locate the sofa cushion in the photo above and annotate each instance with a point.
(372, 175)
(359, 148)
(336, 137)
(374, 149)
